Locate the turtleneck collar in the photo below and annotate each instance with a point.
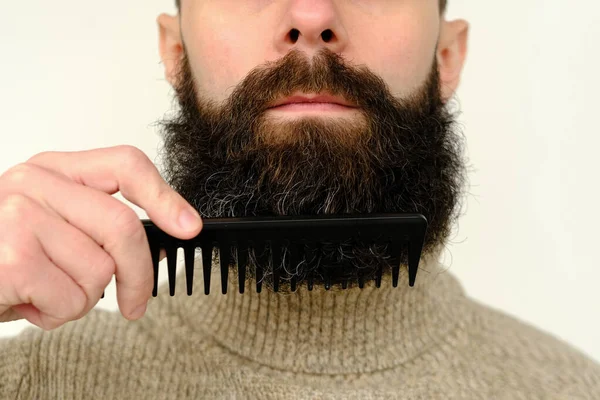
(321, 332)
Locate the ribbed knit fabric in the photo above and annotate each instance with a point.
(426, 342)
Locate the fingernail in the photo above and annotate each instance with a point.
(189, 220)
(139, 312)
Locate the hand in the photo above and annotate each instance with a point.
(63, 236)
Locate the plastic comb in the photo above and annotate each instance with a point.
(298, 236)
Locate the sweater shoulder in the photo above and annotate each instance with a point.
(69, 361)
(518, 352)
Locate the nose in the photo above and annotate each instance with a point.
(310, 25)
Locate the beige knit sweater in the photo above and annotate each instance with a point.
(426, 342)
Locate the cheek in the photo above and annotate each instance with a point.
(402, 57)
(219, 59)
(211, 59)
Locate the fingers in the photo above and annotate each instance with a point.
(107, 221)
(27, 275)
(128, 170)
(78, 256)
(69, 235)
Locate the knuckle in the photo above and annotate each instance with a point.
(17, 257)
(14, 267)
(20, 173)
(16, 206)
(11, 256)
(127, 223)
(132, 157)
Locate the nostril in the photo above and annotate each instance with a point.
(327, 35)
(294, 33)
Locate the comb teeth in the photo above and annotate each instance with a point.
(293, 240)
(206, 264)
(242, 260)
(189, 268)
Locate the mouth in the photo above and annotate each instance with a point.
(314, 102)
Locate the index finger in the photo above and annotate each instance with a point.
(128, 170)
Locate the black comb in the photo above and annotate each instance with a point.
(403, 235)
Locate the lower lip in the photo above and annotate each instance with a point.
(312, 107)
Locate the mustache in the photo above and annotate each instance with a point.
(326, 72)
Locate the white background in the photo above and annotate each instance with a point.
(78, 75)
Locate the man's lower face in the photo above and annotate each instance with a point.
(387, 155)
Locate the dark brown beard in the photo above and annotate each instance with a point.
(397, 156)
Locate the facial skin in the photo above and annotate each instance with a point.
(394, 150)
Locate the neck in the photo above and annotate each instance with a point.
(336, 331)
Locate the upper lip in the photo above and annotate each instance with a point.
(312, 98)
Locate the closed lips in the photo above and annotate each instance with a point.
(312, 99)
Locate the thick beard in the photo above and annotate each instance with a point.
(397, 156)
